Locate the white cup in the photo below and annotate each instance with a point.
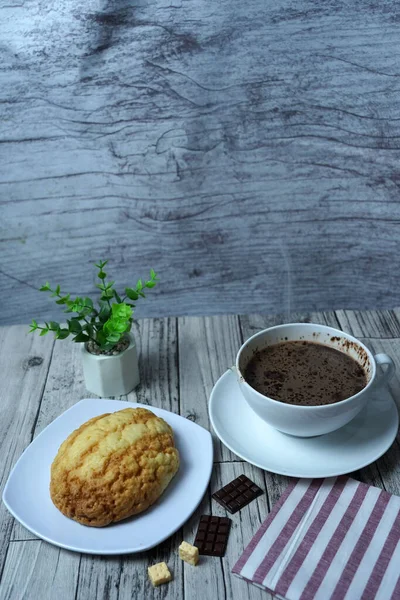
(307, 421)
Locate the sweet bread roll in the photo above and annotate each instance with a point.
(114, 466)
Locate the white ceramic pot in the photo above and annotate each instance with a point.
(111, 375)
(307, 421)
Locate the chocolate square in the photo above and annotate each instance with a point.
(212, 535)
(237, 494)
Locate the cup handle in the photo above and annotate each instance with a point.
(385, 376)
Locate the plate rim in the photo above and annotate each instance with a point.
(212, 401)
(125, 550)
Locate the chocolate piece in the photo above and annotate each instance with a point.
(212, 535)
(237, 494)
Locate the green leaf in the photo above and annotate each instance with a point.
(34, 325)
(74, 326)
(62, 334)
(63, 300)
(113, 338)
(121, 311)
(107, 294)
(58, 289)
(88, 302)
(108, 327)
(102, 263)
(117, 297)
(81, 337)
(115, 325)
(132, 294)
(139, 285)
(44, 331)
(150, 284)
(109, 285)
(152, 274)
(45, 288)
(120, 326)
(87, 328)
(104, 312)
(102, 275)
(101, 337)
(79, 306)
(53, 326)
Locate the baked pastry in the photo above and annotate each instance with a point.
(114, 466)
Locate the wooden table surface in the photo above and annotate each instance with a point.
(180, 360)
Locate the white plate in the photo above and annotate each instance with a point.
(26, 494)
(352, 447)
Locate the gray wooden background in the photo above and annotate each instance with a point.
(248, 151)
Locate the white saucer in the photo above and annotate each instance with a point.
(352, 447)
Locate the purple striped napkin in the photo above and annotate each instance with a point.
(327, 539)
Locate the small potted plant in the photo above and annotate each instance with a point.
(109, 356)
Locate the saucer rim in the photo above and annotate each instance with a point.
(291, 472)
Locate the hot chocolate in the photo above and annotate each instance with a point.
(304, 373)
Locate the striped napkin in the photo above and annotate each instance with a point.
(327, 539)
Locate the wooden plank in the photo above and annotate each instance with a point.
(245, 524)
(35, 569)
(208, 575)
(24, 364)
(373, 323)
(226, 157)
(251, 324)
(207, 348)
(125, 577)
(156, 341)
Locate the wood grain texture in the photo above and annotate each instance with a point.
(24, 365)
(373, 323)
(180, 360)
(156, 341)
(125, 577)
(35, 569)
(249, 153)
(244, 525)
(207, 348)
